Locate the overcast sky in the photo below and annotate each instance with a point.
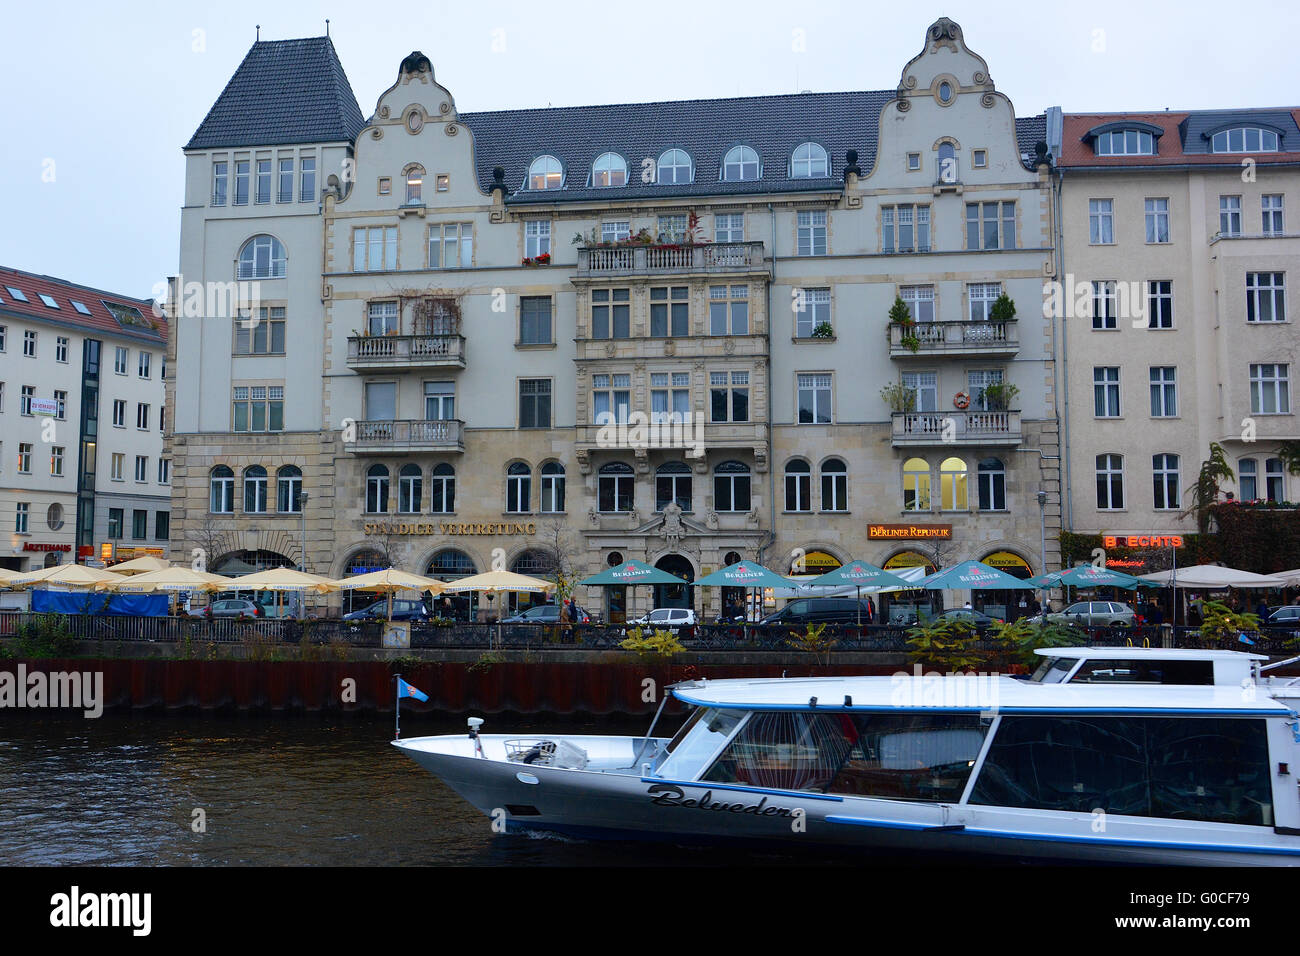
(98, 98)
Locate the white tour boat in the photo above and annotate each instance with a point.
(1072, 764)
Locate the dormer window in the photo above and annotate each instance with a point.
(1244, 139)
(808, 162)
(609, 169)
(675, 166)
(1124, 142)
(740, 165)
(545, 173)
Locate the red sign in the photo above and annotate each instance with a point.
(1142, 541)
(32, 546)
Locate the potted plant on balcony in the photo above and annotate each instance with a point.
(899, 397)
(823, 331)
(901, 316)
(999, 396)
(1004, 309)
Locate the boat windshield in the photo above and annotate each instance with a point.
(1053, 670)
(699, 739)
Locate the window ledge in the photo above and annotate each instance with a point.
(812, 338)
(535, 345)
(835, 512)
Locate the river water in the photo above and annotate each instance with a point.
(274, 791)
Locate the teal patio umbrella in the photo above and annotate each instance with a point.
(861, 575)
(1090, 576)
(633, 572)
(972, 576)
(745, 574)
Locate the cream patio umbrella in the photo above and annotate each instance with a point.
(283, 579)
(169, 579)
(494, 582)
(389, 581)
(140, 566)
(6, 576)
(65, 575)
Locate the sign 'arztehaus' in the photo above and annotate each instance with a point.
(685, 333)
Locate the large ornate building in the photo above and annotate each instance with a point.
(580, 335)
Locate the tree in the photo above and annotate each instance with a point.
(1205, 492)
(556, 549)
(1004, 309)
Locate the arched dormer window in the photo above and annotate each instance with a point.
(1245, 139)
(545, 173)
(262, 257)
(675, 166)
(609, 169)
(809, 162)
(1124, 139)
(414, 175)
(740, 165)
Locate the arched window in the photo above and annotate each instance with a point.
(363, 562)
(377, 489)
(1110, 482)
(410, 489)
(414, 184)
(731, 557)
(953, 489)
(545, 173)
(947, 163)
(615, 484)
(675, 166)
(1274, 480)
(222, 490)
(288, 486)
(992, 485)
(731, 487)
(1245, 139)
(609, 169)
(442, 489)
(916, 485)
(519, 488)
(835, 485)
(254, 490)
(1247, 479)
(798, 485)
(673, 483)
(740, 165)
(552, 487)
(450, 565)
(1124, 142)
(533, 563)
(262, 257)
(809, 162)
(1164, 479)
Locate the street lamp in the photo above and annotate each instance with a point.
(1042, 536)
(302, 510)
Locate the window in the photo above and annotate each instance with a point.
(990, 225)
(25, 458)
(1230, 215)
(809, 162)
(740, 164)
(48, 301)
(115, 520)
(221, 487)
(442, 182)
(675, 166)
(1157, 216)
(145, 361)
(220, 175)
(905, 228)
(120, 358)
(1271, 211)
(285, 193)
(141, 468)
(953, 485)
(377, 489)
(414, 186)
(611, 398)
(729, 227)
(545, 173)
(615, 230)
(56, 462)
(919, 300)
(1244, 139)
(22, 512)
(1248, 479)
(729, 310)
(442, 489)
(161, 525)
(263, 335)
(835, 485)
(258, 408)
(982, 296)
(1160, 304)
(673, 484)
(992, 482)
(980, 158)
(142, 416)
(669, 312)
(1164, 471)
(1274, 480)
(916, 485)
(814, 394)
(535, 319)
(670, 405)
(262, 257)
(439, 401)
(382, 318)
(1265, 296)
(537, 238)
(61, 350)
(1164, 391)
(614, 487)
(1270, 392)
(4, 337)
(263, 181)
(731, 486)
(811, 233)
(375, 249)
(241, 182)
(385, 185)
(16, 293)
(25, 397)
(977, 381)
(60, 404)
(925, 385)
(29, 344)
(255, 490)
(812, 310)
(1105, 304)
(798, 486)
(611, 313)
(164, 471)
(609, 169)
(117, 466)
(552, 488)
(307, 180)
(1105, 391)
(948, 170)
(119, 413)
(672, 228)
(1124, 142)
(288, 486)
(410, 489)
(381, 401)
(1110, 482)
(729, 396)
(76, 304)
(519, 488)
(1101, 222)
(535, 403)
(913, 161)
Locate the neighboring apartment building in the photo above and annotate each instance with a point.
(1178, 221)
(657, 331)
(81, 419)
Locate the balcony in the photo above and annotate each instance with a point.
(970, 427)
(966, 338)
(713, 258)
(371, 352)
(388, 437)
(693, 438)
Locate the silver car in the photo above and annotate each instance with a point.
(1095, 614)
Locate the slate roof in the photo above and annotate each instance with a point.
(152, 327)
(284, 92)
(1182, 141)
(707, 129)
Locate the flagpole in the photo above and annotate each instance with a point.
(397, 707)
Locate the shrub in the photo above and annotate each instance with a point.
(44, 635)
(946, 643)
(660, 644)
(1221, 623)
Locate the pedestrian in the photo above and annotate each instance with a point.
(871, 611)
(1261, 610)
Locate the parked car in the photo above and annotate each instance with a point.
(668, 619)
(975, 620)
(403, 610)
(230, 607)
(1092, 614)
(1285, 616)
(548, 614)
(803, 611)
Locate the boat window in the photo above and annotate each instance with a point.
(787, 750)
(1053, 670)
(699, 743)
(1145, 672)
(1189, 768)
